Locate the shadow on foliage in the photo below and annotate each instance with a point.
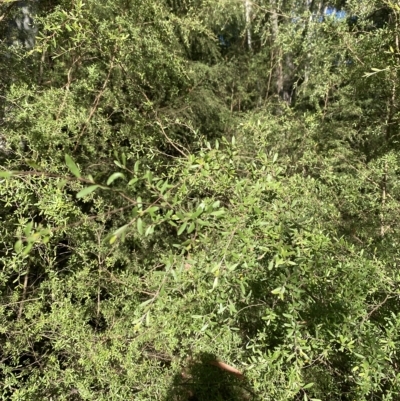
(200, 380)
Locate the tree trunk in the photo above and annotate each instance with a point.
(276, 52)
(247, 7)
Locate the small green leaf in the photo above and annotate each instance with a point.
(113, 239)
(197, 213)
(182, 228)
(233, 267)
(86, 191)
(202, 223)
(149, 231)
(33, 164)
(61, 184)
(215, 282)
(152, 209)
(309, 385)
(18, 246)
(217, 213)
(164, 187)
(121, 230)
(72, 166)
(143, 304)
(5, 174)
(204, 327)
(27, 248)
(275, 158)
(277, 290)
(139, 224)
(191, 228)
(113, 177)
(28, 229)
(136, 167)
(148, 176)
(133, 181)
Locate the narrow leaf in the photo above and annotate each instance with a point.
(133, 181)
(204, 327)
(215, 282)
(61, 184)
(140, 225)
(191, 228)
(72, 166)
(218, 213)
(33, 164)
(113, 177)
(18, 246)
(86, 191)
(28, 228)
(149, 230)
(146, 302)
(182, 228)
(5, 174)
(28, 248)
(121, 230)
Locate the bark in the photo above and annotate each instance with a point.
(276, 56)
(247, 7)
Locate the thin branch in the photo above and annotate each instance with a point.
(96, 103)
(19, 302)
(21, 306)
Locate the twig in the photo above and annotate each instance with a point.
(95, 103)
(19, 302)
(67, 85)
(375, 309)
(228, 368)
(21, 306)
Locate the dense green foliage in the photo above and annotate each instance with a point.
(191, 181)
